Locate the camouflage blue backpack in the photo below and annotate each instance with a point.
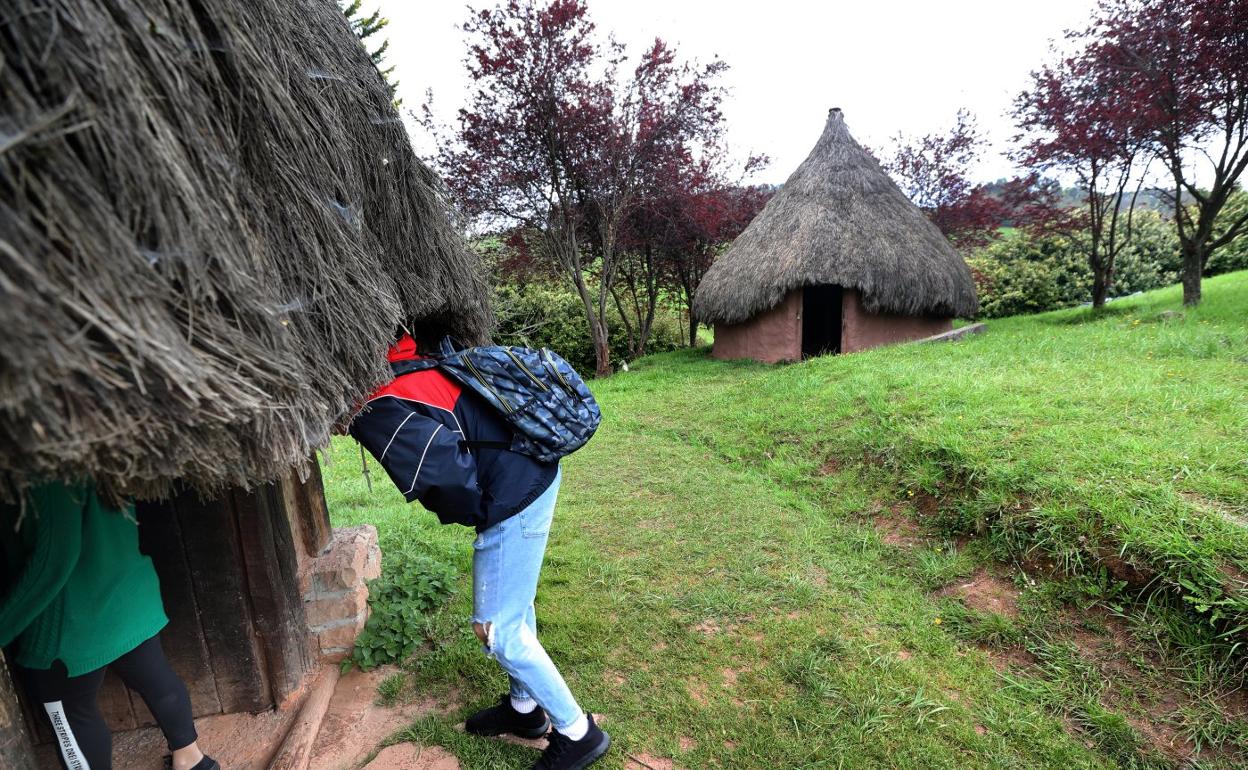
(536, 391)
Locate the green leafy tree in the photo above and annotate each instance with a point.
(1234, 255)
(365, 27)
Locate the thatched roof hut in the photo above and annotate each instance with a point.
(839, 221)
(211, 223)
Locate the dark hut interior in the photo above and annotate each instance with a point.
(838, 261)
(208, 236)
(821, 320)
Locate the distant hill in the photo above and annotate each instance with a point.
(1151, 198)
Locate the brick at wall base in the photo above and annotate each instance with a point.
(336, 599)
(326, 608)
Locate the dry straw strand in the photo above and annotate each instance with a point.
(211, 223)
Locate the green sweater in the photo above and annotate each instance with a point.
(75, 587)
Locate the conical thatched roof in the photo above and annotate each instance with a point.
(839, 219)
(211, 223)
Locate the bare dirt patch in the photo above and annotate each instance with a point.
(355, 723)
(644, 761)
(986, 592)
(1236, 578)
(409, 756)
(819, 576)
(713, 626)
(830, 466)
(895, 526)
(687, 743)
(1137, 576)
(1006, 659)
(239, 741)
(708, 627)
(697, 691)
(1236, 516)
(1114, 652)
(926, 504)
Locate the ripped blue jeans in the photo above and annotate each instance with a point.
(506, 563)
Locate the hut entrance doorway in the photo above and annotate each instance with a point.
(821, 320)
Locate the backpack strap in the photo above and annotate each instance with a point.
(418, 365)
(466, 444)
(408, 366)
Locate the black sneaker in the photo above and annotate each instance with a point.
(563, 753)
(502, 718)
(207, 763)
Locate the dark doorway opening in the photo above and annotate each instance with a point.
(821, 320)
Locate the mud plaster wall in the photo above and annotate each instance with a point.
(776, 335)
(861, 330)
(770, 337)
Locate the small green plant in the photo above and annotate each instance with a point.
(401, 600)
(989, 629)
(920, 706)
(391, 688)
(1115, 736)
(941, 564)
(1205, 726)
(810, 669)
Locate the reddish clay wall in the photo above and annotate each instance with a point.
(770, 337)
(776, 335)
(862, 330)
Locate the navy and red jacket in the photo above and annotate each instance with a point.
(414, 426)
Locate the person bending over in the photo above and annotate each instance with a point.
(77, 599)
(414, 426)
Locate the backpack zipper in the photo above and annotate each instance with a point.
(555, 371)
(520, 364)
(468, 362)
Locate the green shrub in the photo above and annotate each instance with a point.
(1151, 260)
(544, 314)
(411, 587)
(1022, 273)
(1234, 255)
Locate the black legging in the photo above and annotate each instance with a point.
(83, 737)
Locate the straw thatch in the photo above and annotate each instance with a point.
(211, 223)
(839, 219)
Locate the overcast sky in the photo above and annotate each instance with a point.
(892, 65)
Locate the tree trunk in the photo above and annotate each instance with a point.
(597, 320)
(1100, 287)
(628, 326)
(647, 323)
(693, 329)
(1193, 266)
(602, 348)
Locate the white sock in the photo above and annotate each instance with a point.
(577, 729)
(524, 706)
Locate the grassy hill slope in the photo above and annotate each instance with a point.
(1021, 550)
(1115, 441)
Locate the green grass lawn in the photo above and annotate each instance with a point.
(1026, 549)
